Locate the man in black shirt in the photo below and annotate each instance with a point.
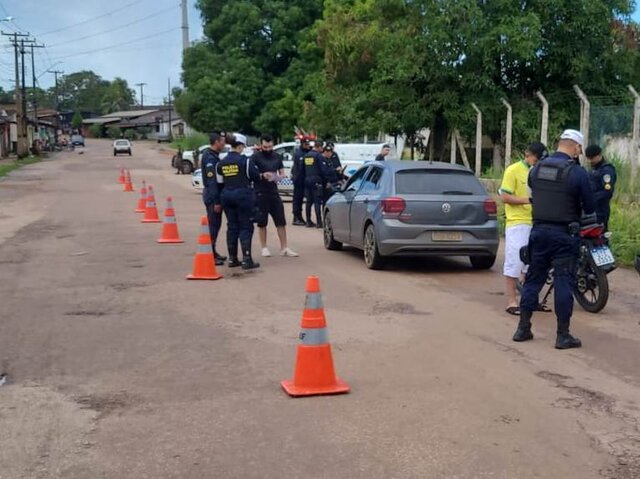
(268, 199)
(383, 153)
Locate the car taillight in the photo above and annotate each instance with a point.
(393, 206)
(490, 207)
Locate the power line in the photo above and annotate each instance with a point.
(115, 28)
(90, 19)
(117, 44)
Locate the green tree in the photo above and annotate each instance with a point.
(76, 121)
(398, 66)
(118, 96)
(82, 91)
(6, 96)
(114, 132)
(248, 51)
(97, 131)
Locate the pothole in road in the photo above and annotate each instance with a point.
(105, 404)
(397, 308)
(96, 313)
(581, 398)
(126, 286)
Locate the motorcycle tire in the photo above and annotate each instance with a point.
(597, 275)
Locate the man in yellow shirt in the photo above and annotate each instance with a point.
(514, 191)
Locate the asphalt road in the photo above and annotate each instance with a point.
(117, 367)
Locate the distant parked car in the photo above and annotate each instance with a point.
(121, 146)
(405, 208)
(77, 140)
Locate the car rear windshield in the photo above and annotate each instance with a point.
(438, 182)
(122, 142)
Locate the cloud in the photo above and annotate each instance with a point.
(139, 41)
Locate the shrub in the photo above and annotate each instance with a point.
(96, 131)
(114, 132)
(130, 135)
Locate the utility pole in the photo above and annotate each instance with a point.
(56, 73)
(33, 85)
(185, 25)
(21, 147)
(170, 108)
(141, 85)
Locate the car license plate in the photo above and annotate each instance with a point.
(446, 236)
(602, 256)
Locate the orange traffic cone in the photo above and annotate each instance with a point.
(204, 266)
(151, 211)
(314, 373)
(128, 186)
(170, 226)
(121, 178)
(142, 202)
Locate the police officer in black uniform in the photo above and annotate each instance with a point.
(560, 194)
(235, 173)
(332, 170)
(210, 158)
(603, 182)
(297, 175)
(314, 183)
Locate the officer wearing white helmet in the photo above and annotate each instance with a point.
(560, 194)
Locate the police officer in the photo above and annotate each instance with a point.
(603, 182)
(314, 182)
(297, 175)
(210, 158)
(560, 193)
(235, 173)
(332, 170)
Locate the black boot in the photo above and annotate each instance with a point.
(233, 257)
(298, 221)
(523, 333)
(248, 263)
(566, 341)
(220, 259)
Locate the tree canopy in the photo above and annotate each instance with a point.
(353, 67)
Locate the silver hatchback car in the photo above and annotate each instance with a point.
(406, 208)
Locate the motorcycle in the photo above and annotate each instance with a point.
(595, 261)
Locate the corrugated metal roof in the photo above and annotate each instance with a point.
(128, 114)
(99, 121)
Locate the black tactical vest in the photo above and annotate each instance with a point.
(233, 170)
(311, 164)
(553, 202)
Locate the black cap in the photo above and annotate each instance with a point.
(328, 147)
(592, 150)
(537, 149)
(215, 136)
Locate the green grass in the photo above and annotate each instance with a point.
(624, 222)
(191, 142)
(6, 168)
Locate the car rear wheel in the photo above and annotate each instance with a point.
(482, 262)
(329, 242)
(372, 257)
(129, 152)
(187, 168)
(115, 153)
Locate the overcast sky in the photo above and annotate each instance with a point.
(139, 40)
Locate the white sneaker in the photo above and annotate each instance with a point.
(265, 252)
(289, 252)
